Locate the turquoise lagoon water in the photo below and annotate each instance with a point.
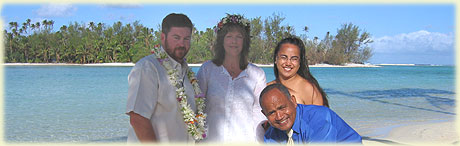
(87, 104)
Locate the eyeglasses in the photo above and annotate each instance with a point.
(284, 58)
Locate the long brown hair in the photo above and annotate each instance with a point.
(304, 70)
(218, 48)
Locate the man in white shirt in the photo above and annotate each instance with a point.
(152, 105)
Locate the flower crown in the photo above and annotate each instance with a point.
(237, 19)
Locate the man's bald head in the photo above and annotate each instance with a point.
(278, 106)
(278, 86)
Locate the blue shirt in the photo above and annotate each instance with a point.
(315, 124)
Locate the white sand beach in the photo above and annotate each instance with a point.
(441, 132)
(345, 65)
(444, 133)
(399, 64)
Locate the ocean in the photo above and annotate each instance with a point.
(87, 104)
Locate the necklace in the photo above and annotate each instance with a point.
(196, 123)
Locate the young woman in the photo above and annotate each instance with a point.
(291, 70)
(232, 86)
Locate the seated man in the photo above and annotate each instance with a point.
(305, 123)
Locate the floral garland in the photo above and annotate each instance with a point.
(238, 19)
(195, 122)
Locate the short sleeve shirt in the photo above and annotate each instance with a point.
(152, 96)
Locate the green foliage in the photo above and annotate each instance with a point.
(201, 46)
(99, 43)
(350, 45)
(257, 43)
(353, 44)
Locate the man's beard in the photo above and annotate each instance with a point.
(173, 51)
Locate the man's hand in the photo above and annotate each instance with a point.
(142, 127)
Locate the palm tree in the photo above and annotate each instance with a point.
(9, 37)
(91, 25)
(45, 24)
(306, 29)
(32, 26)
(24, 27)
(37, 25)
(14, 25)
(51, 23)
(13, 40)
(28, 21)
(62, 45)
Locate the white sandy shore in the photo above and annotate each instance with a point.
(399, 64)
(430, 133)
(441, 132)
(193, 65)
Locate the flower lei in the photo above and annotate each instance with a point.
(238, 19)
(195, 123)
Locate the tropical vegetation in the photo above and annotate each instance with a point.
(101, 43)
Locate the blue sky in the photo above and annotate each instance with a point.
(409, 33)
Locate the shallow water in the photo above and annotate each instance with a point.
(87, 104)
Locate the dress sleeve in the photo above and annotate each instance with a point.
(258, 117)
(143, 90)
(202, 76)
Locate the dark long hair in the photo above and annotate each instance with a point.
(304, 70)
(219, 51)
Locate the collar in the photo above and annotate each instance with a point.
(176, 65)
(241, 75)
(290, 132)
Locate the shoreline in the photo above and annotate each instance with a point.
(429, 132)
(441, 132)
(191, 65)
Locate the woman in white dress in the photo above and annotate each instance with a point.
(232, 86)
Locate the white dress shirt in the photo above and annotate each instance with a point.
(152, 96)
(232, 105)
